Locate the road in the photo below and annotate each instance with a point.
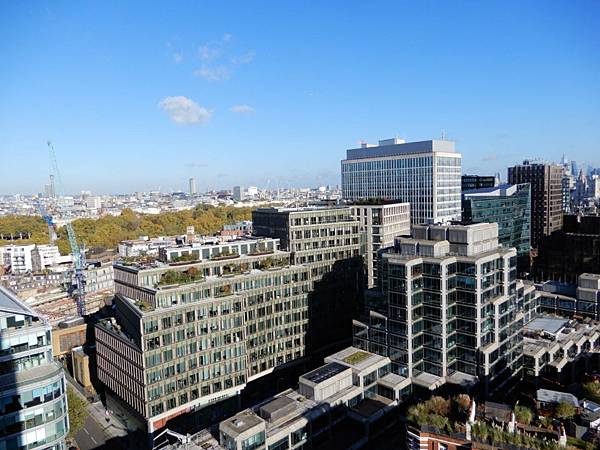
(91, 436)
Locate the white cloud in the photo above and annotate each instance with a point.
(184, 111)
(209, 52)
(242, 109)
(246, 58)
(178, 57)
(213, 73)
(217, 62)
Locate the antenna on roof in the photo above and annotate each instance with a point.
(443, 135)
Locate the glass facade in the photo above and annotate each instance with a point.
(512, 213)
(33, 403)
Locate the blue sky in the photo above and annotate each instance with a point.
(142, 95)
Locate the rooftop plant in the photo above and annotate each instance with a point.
(356, 357)
(180, 277)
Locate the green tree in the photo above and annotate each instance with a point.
(77, 412)
(565, 410)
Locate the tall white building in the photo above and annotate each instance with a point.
(193, 190)
(426, 174)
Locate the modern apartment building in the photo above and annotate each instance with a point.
(510, 207)
(33, 401)
(380, 222)
(470, 182)
(425, 174)
(194, 332)
(455, 308)
(546, 196)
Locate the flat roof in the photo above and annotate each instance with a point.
(355, 358)
(551, 325)
(548, 396)
(242, 421)
(403, 148)
(324, 372)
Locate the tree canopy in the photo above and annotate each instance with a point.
(108, 231)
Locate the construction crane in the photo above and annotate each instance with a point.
(76, 251)
(49, 221)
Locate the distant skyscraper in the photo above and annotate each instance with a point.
(574, 168)
(546, 196)
(193, 190)
(49, 191)
(238, 193)
(425, 174)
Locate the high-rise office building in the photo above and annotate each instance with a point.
(33, 401)
(510, 207)
(193, 190)
(455, 308)
(380, 222)
(194, 328)
(470, 182)
(569, 252)
(238, 193)
(425, 174)
(546, 196)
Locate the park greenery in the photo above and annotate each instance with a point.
(107, 231)
(77, 412)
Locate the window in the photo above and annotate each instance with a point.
(254, 442)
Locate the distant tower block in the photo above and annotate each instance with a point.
(193, 190)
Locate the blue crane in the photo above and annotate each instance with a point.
(76, 250)
(48, 219)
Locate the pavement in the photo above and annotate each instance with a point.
(100, 430)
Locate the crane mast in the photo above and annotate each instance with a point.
(76, 250)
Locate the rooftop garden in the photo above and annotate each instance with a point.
(260, 249)
(450, 416)
(138, 260)
(272, 263)
(356, 357)
(225, 254)
(185, 258)
(224, 291)
(180, 277)
(143, 306)
(234, 269)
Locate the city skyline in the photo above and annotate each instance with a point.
(196, 92)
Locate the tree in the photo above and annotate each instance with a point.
(77, 412)
(565, 410)
(523, 415)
